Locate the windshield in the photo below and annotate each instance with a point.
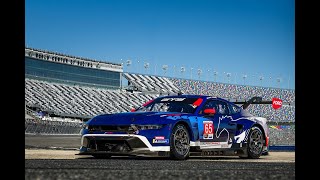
(183, 105)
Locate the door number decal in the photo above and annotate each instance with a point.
(208, 130)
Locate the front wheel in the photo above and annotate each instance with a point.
(179, 142)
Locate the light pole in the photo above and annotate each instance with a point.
(121, 62)
(199, 73)
(138, 66)
(164, 68)
(146, 66)
(208, 75)
(228, 76)
(121, 73)
(253, 80)
(278, 80)
(128, 63)
(191, 73)
(244, 79)
(261, 78)
(215, 73)
(182, 70)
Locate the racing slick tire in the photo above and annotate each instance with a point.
(101, 156)
(255, 143)
(179, 142)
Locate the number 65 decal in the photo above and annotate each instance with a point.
(208, 130)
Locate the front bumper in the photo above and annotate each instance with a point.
(120, 144)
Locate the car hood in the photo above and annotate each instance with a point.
(133, 118)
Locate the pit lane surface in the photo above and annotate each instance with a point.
(65, 164)
(44, 159)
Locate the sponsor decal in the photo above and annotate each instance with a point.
(160, 141)
(173, 99)
(276, 103)
(210, 143)
(159, 137)
(208, 130)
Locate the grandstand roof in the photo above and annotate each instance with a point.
(68, 59)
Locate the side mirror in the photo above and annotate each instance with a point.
(209, 111)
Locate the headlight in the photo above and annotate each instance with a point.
(147, 127)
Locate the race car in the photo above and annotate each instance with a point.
(178, 126)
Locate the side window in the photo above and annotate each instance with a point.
(210, 104)
(222, 108)
(234, 109)
(219, 106)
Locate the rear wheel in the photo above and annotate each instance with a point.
(255, 143)
(179, 142)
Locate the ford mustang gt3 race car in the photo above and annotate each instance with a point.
(178, 126)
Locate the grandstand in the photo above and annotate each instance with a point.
(73, 89)
(149, 83)
(80, 101)
(232, 91)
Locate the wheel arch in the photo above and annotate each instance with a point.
(261, 128)
(186, 124)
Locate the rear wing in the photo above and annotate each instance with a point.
(253, 100)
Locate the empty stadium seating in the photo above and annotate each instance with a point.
(73, 100)
(284, 136)
(78, 100)
(149, 83)
(51, 127)
(87, 101)
(232, 91)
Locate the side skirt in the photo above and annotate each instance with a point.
(233, 151)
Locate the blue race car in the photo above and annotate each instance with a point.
(178, 126)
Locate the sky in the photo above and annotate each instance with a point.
(249, 42)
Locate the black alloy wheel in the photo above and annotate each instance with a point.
(179, 142)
